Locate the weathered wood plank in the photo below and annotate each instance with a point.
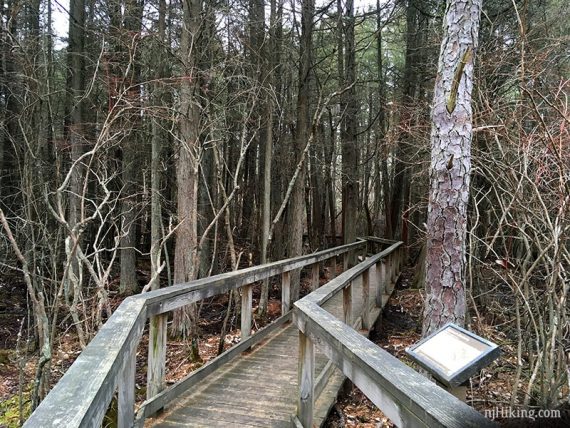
(379, 240)
(285, 292)
(296, 422)
(323, 378)
(156, 403)
(315, 276)
(228, 417)
(347, 303)
(126, 393)
(324, 293)
(246, 308)
(173, 297)
(83, 394)
(156, 355)
(366, 299)
(306, 380)
(381, 284)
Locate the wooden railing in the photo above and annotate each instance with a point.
(107, 365)
(405, 396)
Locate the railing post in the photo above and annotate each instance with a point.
(381, 283)
(347, 303)
(388, 273)
(333, 267)
(315, 276)
(366, 299)
(156, 355)
(306, 381)
(285, 292)
(375, 280)
(398, 260)
(345, 258)
(246, 298)
(126, 393)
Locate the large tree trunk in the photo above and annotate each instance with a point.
(185, 264)
(207, 191)
(297, 201)
(450, 167)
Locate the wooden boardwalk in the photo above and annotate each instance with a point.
(259, 389)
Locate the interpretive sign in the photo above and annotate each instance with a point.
(453, 354)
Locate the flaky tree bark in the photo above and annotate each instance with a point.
(450, 167)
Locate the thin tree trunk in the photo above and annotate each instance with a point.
(157, 324)
(330, 187)
(400, 187)
(349, 139)
(266, 216)
(132, 26)
(383, 185)
(76, 82)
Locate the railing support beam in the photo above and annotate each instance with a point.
(246, 307)
(366, 299)
(285, 292)
(333, 267)
(347, 303)
(156, 355)
(314, 276)
(126, 393)
(381, 268)
(306, 375)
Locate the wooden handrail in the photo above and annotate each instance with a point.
(404, 395)
(83, 394)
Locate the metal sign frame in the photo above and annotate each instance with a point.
(457, 377)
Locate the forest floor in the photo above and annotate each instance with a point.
(399, 328)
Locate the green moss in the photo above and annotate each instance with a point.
(10, 410)
(110, 419)
(5, 355)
